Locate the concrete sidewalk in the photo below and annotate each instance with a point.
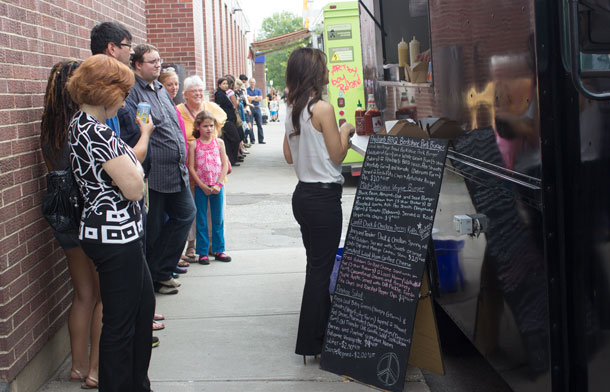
(233, 325)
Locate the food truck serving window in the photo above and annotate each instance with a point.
(405, 25)
(404, 20)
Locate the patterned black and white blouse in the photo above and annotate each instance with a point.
(108, 217)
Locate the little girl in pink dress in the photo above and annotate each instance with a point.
(208, 166)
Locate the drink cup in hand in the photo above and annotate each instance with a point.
(145, 127)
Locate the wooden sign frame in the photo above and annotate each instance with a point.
(382, 317)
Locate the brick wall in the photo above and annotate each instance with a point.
(259, 75)
(201, 35)
(35, 287)
(175, 27)
(224, 39)
(209, 58)
(216, 24)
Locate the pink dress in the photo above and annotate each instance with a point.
(208, 162)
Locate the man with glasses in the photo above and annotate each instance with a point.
(114, 40)
(168, 184)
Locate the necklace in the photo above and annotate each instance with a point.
(189, 110)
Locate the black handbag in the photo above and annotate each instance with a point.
(62, 204)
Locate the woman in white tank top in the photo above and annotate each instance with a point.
(316, 147)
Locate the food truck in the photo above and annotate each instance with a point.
(522, 230)
(342, 46)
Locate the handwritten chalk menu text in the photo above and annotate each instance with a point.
(373, 311)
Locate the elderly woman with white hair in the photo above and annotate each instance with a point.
(193, 104)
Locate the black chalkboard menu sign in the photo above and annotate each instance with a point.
(371, 321)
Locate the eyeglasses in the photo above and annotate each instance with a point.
(168, 69)
(153, 62)
(123, 44)
(127, 93)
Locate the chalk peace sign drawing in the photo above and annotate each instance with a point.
(388, 369)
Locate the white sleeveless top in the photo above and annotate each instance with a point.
(309, 154)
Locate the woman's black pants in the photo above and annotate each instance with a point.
(231, 138)
(128, 307)
(317, 209)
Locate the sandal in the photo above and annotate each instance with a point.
(91, 385)
(182, 263)
(76, 375)
(205, 260)
(157, 326)
(191, 254)
(158, 317)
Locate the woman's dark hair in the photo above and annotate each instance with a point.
(199, 118)
(231, 81)
(219, 81)
(305, 79)
(58, 108)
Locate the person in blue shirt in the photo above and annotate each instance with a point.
(114, 40)
(256, 96)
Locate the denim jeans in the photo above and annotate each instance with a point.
(128, 307)
(258, 116)
(318, 212)
(203, 238)
(249, 132)
(165, 239)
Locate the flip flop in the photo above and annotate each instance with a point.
(158, 317)
(79, 375)
(191, 254)
(93, 384)
(183, 263)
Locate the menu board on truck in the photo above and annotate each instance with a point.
(373, 311)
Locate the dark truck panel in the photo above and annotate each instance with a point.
(533, 155)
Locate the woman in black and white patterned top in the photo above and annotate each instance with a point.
(110, 178)
(109, 217)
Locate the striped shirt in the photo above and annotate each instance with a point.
(165, 161)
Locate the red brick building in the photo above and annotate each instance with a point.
(207, 37)
(213, 30)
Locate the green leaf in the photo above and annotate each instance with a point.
(277, 24)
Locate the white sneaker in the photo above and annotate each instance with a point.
(171, 283)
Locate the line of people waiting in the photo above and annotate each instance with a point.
(179, 159)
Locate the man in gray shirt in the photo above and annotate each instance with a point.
(165, 166)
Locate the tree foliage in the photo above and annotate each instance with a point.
(277, 24)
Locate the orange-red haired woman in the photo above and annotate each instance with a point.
(111, 181)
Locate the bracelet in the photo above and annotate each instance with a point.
(219, 184)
